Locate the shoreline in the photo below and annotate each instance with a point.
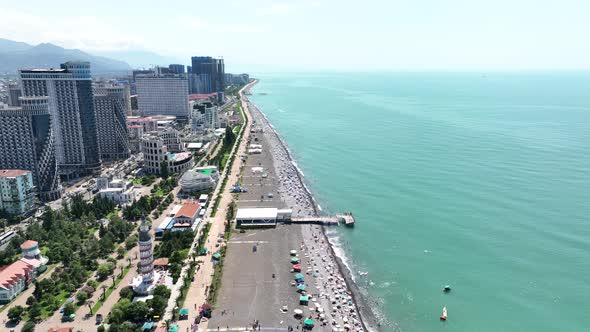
(367, 317)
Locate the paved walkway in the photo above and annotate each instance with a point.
(196, 294)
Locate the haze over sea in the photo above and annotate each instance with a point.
(479, 181)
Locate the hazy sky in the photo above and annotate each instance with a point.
(320, 34)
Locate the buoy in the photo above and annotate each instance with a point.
(444, 314)
(447, 289)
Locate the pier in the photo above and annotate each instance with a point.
(345, 218)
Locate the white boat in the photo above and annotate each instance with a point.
(444, 314)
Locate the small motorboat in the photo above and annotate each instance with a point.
(447, 289)
(444, 314)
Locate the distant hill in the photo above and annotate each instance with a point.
(141, 59)
(17, 55)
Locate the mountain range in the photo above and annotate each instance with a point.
(16, 55)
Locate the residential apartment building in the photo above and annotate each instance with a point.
(71, 107)
(155, 152)
(163, 95)
(110, 103)
(17, 191)
(204, 116)
(27, 143)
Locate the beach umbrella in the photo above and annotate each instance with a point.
(295, 260)
(293, 252)
(217, 256)
(299, 276)
(308, 322)
(298, 312)
(72, 316)
(301, 287)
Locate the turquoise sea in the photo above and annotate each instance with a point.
(476, 180)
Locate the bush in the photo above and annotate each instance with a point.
(82, 296)
(15, 313)
(31, 300)
(105, 270)
(29, 327)
(127, 292)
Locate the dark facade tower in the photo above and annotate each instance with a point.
(81, 74)
(71, 107)
(111, 120)
(210, 72)
(176, 68)
(27, 142)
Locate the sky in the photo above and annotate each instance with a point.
(320, 34)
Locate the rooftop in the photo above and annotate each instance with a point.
(189, 209)
(257, 213)
(29, 244)
(10, 274)
(8, 173)
(179, 156)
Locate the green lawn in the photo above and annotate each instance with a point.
(159, 192)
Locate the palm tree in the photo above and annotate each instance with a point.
(104, 289)
(90, 304)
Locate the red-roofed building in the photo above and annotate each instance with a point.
(202, 96)
(17, 276)
(188, 213)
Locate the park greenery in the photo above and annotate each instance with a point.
(146, 204)
(74, 238)
(129, 316)
(174, 246)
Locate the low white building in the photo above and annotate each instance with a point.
(199, 179)
(261, 217)
(118, 190)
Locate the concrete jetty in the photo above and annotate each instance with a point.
(345, 218)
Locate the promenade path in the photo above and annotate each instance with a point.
(80, 322)
(196, 295)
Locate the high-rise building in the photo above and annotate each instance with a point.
(189, 69)
(27, 142)
(72, 111)
(214, 68)
(14, 92)
(176, 68)
(17, 191)
(110, 103)
(163, 95)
